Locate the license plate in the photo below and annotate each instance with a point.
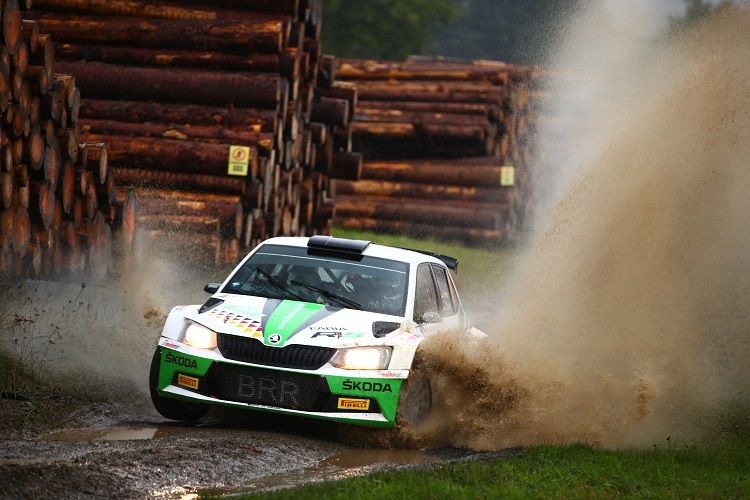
(273, 391)
(276, 388)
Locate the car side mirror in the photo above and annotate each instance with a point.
(212, 288)
(430, 317)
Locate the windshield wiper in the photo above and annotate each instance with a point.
(272, 279)
(330, 295)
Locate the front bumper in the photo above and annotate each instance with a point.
(360, 397)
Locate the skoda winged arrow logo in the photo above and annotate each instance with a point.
(274, 338)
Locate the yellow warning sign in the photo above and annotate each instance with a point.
(507, 176)
(239, 159)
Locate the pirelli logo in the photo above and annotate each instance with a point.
(185, 381)
(354, 404)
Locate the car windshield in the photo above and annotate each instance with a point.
(341, 280)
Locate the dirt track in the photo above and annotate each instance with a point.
(119, 451)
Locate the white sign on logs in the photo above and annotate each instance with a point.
(507, 176)
(239, 159)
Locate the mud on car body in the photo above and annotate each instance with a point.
(320, 327)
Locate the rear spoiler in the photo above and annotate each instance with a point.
(449, 262)
(345, 245)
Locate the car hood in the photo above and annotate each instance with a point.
(279, 323)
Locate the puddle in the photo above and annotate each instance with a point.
(350, 463)
(362, 458)
(110, 434)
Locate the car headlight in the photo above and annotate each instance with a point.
(362, 358)
(199, 336)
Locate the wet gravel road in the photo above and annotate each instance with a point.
(134, 453)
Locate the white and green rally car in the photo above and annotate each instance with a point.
(321, 327)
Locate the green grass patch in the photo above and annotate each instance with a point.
(578, 471)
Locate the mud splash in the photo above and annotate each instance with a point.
(627, 323)
(98, 336)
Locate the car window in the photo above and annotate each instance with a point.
(368, 283)
(448, 305)
(425, 300)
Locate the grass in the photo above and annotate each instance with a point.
(577, 471)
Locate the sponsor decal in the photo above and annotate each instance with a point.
(251, 312)
(291, 314)
(263, 389)
(353, 404)
(339, 335)
(288, 317)
(355, 385)
(171, 345)
(181, 361)
(274, 338)
(387, 374)
(186, 381)
(328, 328)
(249, 324)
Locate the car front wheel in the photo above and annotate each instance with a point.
(415, 400)
(173, 409)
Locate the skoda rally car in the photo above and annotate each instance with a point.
(321, 327)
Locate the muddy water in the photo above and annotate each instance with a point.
(350, 463)
(107, 434)
(627, 322)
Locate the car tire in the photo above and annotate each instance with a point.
(414, 400)
(173, 409)
(415, 405)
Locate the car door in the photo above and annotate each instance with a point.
(435, 302)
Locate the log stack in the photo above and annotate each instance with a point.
(447, 146)
(59, 209)
(177, 86)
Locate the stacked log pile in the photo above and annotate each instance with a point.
(58, 207)
(447, 147)
(173, 85)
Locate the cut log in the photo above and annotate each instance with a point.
(256, 120)
(95, 158)
(340, 90)
(244, 36)
(331, 111)
(263, 141)
(30, 33)
(8, 187)
(169, 155)
(164, 9)
(468, 94)
(44, 208)
(135, 177)
(108, 81)
(373, 115)
(424, 212)
(21, 231)
(479, 172)
(422, 139)
(125, 215)
(346, 166)
(12, 25)
(283, 63)
(425, 191)
(41, 63)
(175, 203)
(431, 69)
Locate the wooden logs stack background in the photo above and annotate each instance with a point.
(171, 85)
(58, 209)
(447, 147)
